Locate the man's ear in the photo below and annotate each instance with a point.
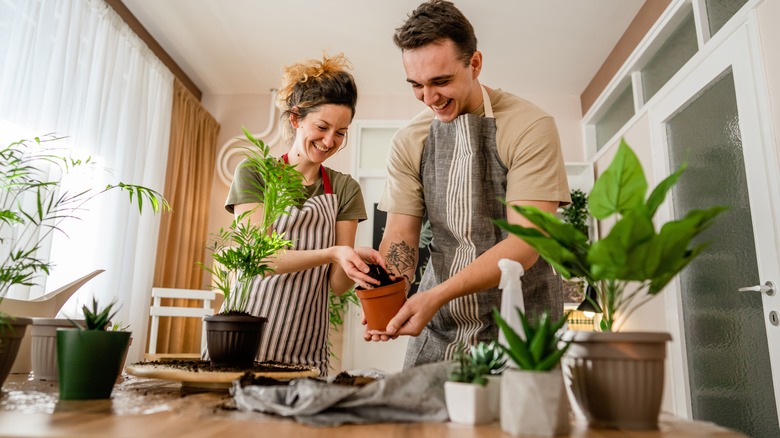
(476, 64)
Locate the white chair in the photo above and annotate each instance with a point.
(157, 310)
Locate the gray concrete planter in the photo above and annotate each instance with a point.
(534, 403)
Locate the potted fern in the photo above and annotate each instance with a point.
(628, 267)
(33, 205)
(533, 397)
(90, 356)
(243, 252)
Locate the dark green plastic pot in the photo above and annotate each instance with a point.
(88, 362)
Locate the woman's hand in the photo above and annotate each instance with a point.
(353, 261)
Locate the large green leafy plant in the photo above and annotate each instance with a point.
(634, 262)
(33, 205)
(245, 249)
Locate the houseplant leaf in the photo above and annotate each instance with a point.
(621, 187)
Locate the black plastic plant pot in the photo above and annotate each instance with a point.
(232, 341)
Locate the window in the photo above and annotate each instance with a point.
(616, 115)
(670, 57)
(720, 11)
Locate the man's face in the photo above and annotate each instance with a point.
(441, 81)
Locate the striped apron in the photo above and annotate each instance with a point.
(463, 177)
(296, 303)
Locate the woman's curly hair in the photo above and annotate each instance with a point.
(310, 84)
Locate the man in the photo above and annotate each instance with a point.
(472, 147)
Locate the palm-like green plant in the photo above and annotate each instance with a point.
(33, 205)
(541, 348)
(245, 249)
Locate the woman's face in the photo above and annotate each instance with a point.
(322, 132)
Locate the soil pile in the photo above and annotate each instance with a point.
(206, 366)
(344, 378)
(377, 272)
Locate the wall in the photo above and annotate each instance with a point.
(768, 14)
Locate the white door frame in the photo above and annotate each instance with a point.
(740, 52)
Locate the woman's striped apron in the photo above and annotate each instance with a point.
(463, 178)
(296, 304)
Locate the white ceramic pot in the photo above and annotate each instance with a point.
(467, 403)
(494, 395)
(44, 346)
(534, 403)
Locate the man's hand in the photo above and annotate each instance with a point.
(415, 314)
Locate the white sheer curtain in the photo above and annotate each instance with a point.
(74, 68)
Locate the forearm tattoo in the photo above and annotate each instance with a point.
(402, 258)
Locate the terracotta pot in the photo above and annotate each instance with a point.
(616, 380)
(380, 304)
(44, 346)
(233, 340)
(10, 340)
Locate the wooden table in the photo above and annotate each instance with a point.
(157, 408)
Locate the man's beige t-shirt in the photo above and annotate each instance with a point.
(528, 146)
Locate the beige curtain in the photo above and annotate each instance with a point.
(184, 232)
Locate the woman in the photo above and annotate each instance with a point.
(318, 99)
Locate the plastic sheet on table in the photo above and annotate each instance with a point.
(413, 395)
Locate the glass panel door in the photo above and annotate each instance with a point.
(725, 360)
(728, 358)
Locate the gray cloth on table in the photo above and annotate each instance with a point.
(414, 395)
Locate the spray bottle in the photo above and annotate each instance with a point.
(511, 297)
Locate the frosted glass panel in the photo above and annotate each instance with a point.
(728, 359)
(616, 116)
(720, 11)
(672, 55)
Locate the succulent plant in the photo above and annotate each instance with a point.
(95, 319)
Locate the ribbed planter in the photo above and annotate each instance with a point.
(380, 304)
(44, 346)
(616, 379)
(88, 362)
(10, 340)
(232, 341)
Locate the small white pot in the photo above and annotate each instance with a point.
(467, 403)
(494, 395)
(534, 403)
(43, 346)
